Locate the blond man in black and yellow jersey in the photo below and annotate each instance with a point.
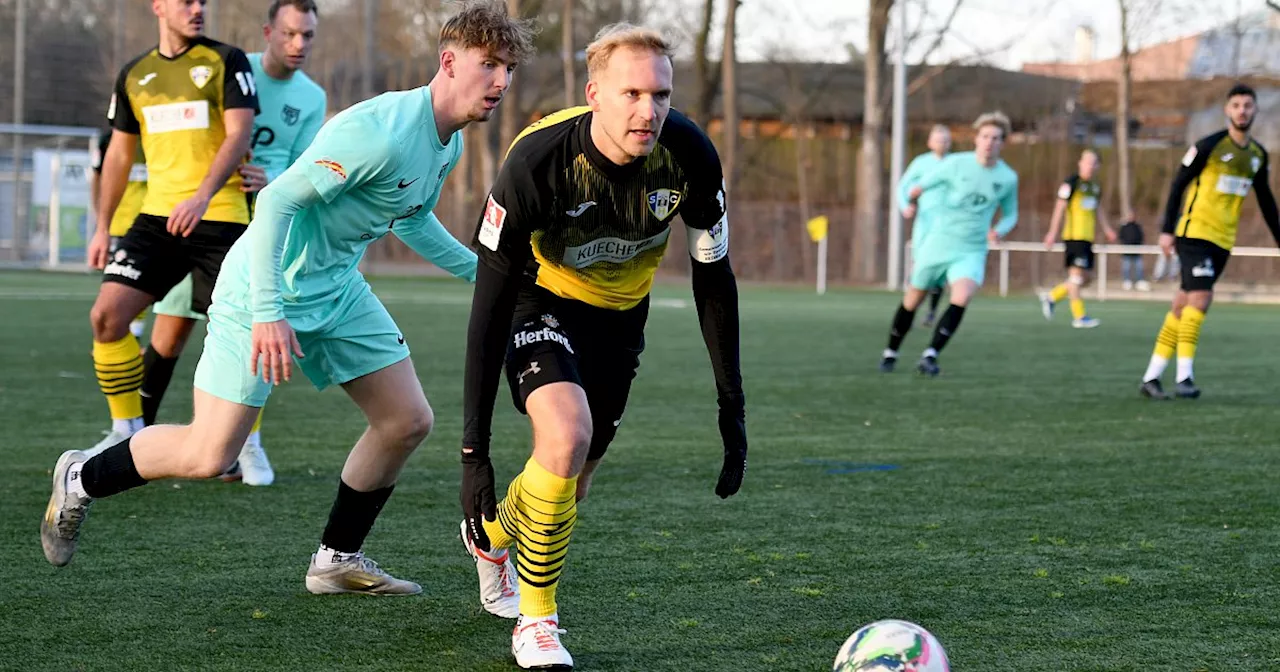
(1201, 220)
(191, 101)
(571, 235)
(1078, 217)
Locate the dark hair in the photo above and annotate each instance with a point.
(303, 6)
(1241, 89)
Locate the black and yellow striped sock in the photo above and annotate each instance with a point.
(1188, 338)
(1167, 340)
(120, 372)
(545, 511)
(502, 532)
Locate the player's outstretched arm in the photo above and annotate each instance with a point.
(1192, 163)
(1267, 200)
(428, 237)
(1009, 211)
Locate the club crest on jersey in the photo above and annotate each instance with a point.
(200, 75)
(551, 321)
(663, 202)
(290, 115)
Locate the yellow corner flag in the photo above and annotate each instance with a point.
(817, 227)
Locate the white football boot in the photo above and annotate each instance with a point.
(255, 468)
(499, 587)
(354, 573)
(535, 642)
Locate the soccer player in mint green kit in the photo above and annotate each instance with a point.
(972, 185)
(939, 144)
(290, 288)
(292, 109)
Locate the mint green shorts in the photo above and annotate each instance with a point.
(177, 303)
(937, 271)
(354, 338)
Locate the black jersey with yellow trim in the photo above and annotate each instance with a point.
(592, 230)
(1082, 197)
(176, 104)
(1210, 188)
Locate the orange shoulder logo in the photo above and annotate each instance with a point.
(335, 167)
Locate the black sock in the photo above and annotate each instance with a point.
(352, 517)
(947, 326)
(934, 297)
(158, 372)
(901, 325)
(110, 472)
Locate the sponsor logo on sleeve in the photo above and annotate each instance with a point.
(491, 225)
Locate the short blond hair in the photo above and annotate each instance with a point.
(618, 35)
(485, 24)
(998, 119)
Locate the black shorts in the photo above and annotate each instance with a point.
(559, 340)
(1202, 263)
(150, 259)
(1079, 254)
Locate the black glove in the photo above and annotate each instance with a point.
(478, 502)
(733, 431)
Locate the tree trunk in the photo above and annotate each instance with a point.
(865, 255)
(729, 78)
(1122, 114)
(706, 77)
(566, 54)
(510, 115)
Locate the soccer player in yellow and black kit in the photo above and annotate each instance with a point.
(1077, 216)
(128, 209)
(192, 101)
(1201, 221)
(572, 233)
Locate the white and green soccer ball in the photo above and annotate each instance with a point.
(891, 646)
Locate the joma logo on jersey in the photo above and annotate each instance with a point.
(614, 250)
(663, 202)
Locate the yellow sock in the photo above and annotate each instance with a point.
(257, 424)
(545, 512)
(1077, 308)
(1058, 293)
(502, 532)
(119, 369)
(1167, 340)
(1189, 332)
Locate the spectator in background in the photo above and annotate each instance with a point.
(1131, 266)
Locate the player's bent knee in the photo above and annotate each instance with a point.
(107, 325)
(411, 428)
(206, 460)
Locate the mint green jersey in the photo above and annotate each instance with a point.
(970, 193)
(292, 111)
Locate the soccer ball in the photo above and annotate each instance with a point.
(891, 646)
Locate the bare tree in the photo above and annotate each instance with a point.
(730, 81)
(1123, 101)
(865, 256)
(567, 54)
(706, 74)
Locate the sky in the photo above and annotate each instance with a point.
(1005, 32)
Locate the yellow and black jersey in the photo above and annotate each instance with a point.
(567, 228)
(592, 230)
(135, 189)
(1081, 216)
(176, 105)
(1210, 189)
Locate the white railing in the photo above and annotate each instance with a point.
(1101, 253)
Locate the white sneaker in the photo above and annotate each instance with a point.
(535, 642)
(1143, 286)
(1046, 305)
(1127, 285)
(60, 527)
(112, 438)
(254, 467)
(499, 587)
(1086, 322)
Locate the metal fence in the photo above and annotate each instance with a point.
(45, 218)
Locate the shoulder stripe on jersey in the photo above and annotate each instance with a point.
(553, 119)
